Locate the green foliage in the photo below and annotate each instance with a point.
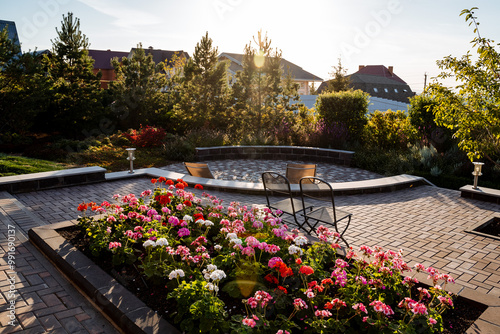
(472, 109)
(421, 113)
(177, 148)
(137, 91)
(348, 108)
(339, 81)
(75, 95)
(389, 130)
(23, 87)
(260, 93)
(204, 97)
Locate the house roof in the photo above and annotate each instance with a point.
(378, 81)
(160, 55)
(297, 72)
(102, 58)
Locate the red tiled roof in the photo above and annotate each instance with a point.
(380, 71)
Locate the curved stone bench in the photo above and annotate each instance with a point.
(296, 153)
(384, 184)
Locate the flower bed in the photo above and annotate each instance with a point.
(239, 269)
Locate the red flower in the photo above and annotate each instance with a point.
(271, 279)
(298, 261)
(198, 216)
(82, 207)
(164, 199)
(187, 203)
(327, 281)
(153, 181)
(179, 186)
(162, 179)
(328, 306)
(169, 182)
(198, 186)
(283, 289)
(306, 270)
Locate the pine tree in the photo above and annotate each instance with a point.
(262, 95)
(339, 81)
(137, 90)
(204, 92)
(76, 107)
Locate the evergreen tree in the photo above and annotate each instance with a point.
(205, 92)
(262, 97)
(76, 106)
(138, 90)
(23, 87)
(340, 81)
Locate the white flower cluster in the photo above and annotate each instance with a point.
(231, 236)
(218, 247)
(187, 218)
(300, 240)
(152, 243)
(176, 274)
(213, 275)
(233, 239)
(205, 222)
(295, 250)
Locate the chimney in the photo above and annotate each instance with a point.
(391, 70)
(361, 67)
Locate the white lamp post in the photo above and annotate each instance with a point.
(131, 158)
(477, 172)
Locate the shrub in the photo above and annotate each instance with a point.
(348, 108)
(389, 130)
(178, 148)
(147, 137)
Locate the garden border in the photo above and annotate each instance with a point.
(132, 316)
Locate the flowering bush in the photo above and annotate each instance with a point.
(147, 137)
(207, 255)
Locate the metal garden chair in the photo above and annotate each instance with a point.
(294, 172)
(199, 170)
(320, 190)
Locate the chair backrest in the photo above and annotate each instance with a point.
(275, 183)
(199, 170)
(318, 189)
(294, 172)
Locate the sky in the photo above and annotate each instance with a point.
(410, 35)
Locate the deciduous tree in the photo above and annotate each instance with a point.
(472, 109)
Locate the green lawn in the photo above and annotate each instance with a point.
(15, 165)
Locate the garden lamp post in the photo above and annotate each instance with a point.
(477, 172)
(131, 158)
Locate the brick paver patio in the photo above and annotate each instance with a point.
(427, 222)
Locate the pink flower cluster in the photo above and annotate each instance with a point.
(412, 305)
(299, 304)
(323, 313)
(114, 244)
(380, 307)
(261, 297)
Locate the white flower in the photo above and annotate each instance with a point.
(162, 242)
(218, 247)
(300, 240)
(187, 218)
(149, 243)
(208, 223)
(295, 250)
(176, 274)
(231, 236)
(217, 275)
(212, 287)
(236, 241)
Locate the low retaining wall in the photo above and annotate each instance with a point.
(53, 179)
(296, 153)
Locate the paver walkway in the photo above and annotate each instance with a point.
(427, 222)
